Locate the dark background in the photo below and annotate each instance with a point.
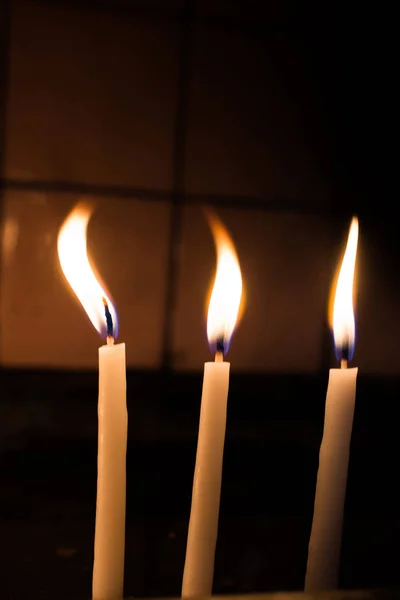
(283, 111)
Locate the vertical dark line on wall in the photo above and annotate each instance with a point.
(179, 165)
(5, 26)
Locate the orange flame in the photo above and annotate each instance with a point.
(342, 319)
(226, 295)
(75, 264)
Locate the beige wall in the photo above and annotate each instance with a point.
(287, 263)
(246, 133)
(93, 99)
(42, 322)
(285, 283)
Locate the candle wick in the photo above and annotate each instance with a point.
(109, 321)
(219, 357)
(345, 353)
(220, 349)
(110, 340)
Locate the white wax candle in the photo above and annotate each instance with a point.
(203, 525)
(109, 543)
(326, 532)
(221, 320)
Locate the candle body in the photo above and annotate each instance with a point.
(203, 525)
(109, 543)
(326, 532)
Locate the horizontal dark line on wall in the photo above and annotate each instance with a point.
(273, 204)
(251, 20)
(85, 189)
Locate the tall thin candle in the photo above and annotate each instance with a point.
(222, 316)
(109, 544)
(326, 532)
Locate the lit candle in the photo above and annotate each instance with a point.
(222, 316)
(109, 543)
(326, 532)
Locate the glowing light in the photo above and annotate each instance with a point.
(225, 300)
(75, 264)
(343, 321)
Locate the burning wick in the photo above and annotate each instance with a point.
(110, 326)
(345, 354)
(330, 494)
(220, 350)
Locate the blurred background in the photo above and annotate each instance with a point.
(280, 116)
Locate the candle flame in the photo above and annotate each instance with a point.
(343, 322)
(226, 295)
(75, 264)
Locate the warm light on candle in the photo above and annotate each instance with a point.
(223, 314)
(330, 493)
(343, 323)
(74, 261)
(225, 300)
(109, 541)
